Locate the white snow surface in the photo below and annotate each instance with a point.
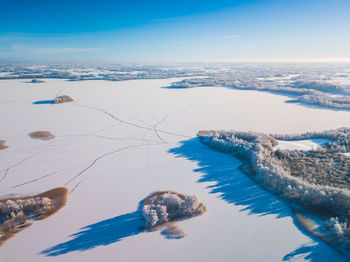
(120, 141)
(305, 145)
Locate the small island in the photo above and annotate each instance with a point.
(164, 206)
(36, 81)
(3, 145)
(42, 135)
(62, 99)
(18, 213)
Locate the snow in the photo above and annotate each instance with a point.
(305, 145)
(242, 222)
(166, 206)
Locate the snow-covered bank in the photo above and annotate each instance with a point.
(273, 168)
(318, 178)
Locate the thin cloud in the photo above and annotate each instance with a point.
(231, 36)
(66, 50)
(227, 37)
(61, 50)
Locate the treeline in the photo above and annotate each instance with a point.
(318, 93)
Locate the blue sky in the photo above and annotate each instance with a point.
(174, 31)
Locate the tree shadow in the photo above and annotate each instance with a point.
(177, 87)
(100, 234)
(233, 186)
(230, 183)
(238, 189)
(319, 252)
(43, 102)
(111, 231)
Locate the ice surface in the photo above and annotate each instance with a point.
(119, 141)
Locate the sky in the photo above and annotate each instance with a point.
(174, 31)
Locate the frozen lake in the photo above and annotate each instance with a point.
(120, 141)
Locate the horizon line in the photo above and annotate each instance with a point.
(287, 60)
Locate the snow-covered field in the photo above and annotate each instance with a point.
(308, 144)
(120, 141)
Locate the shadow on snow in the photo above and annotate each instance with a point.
(100, 234)
(106, 232)
(229, 182)
(236, 188)
(43, 102)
